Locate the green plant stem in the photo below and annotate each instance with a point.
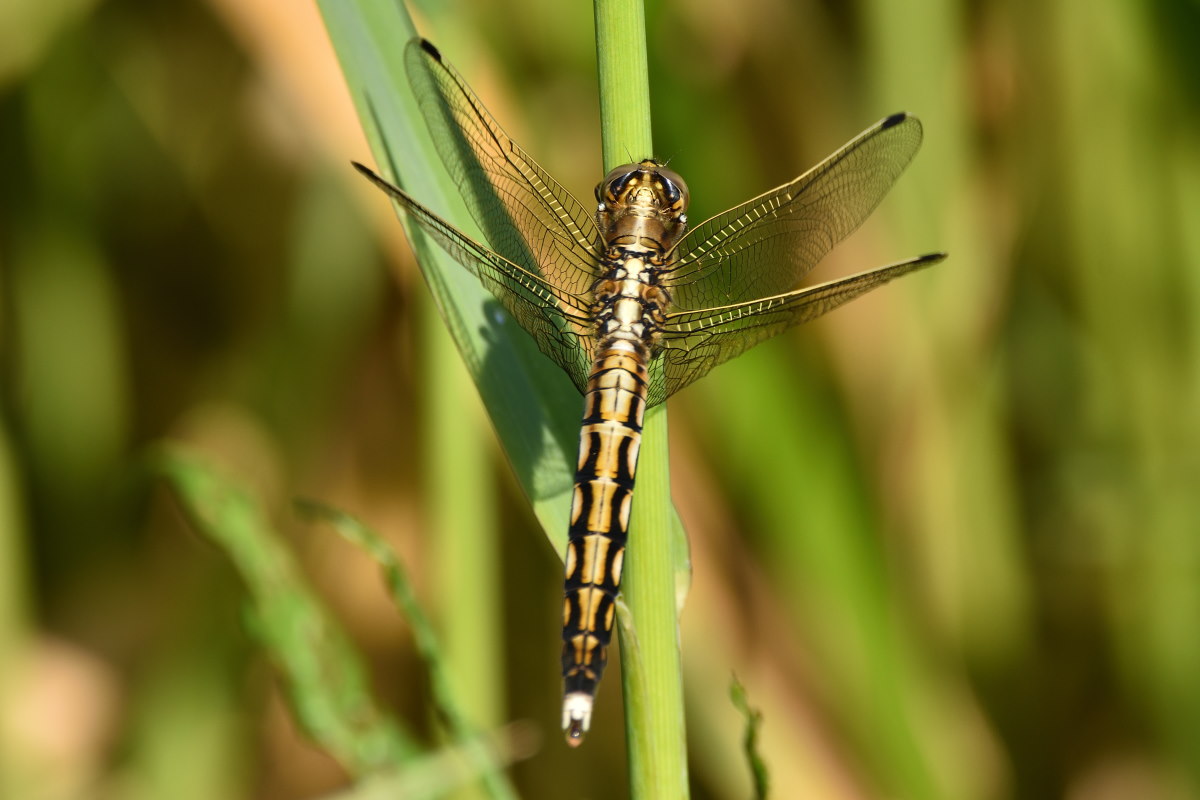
(650, 661)
(624, 81)
(464, 534)
(651, 672)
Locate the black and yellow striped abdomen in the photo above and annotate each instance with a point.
(614, 405)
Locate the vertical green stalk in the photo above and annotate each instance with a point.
(624, 81)
(650, 662)
(465, 533)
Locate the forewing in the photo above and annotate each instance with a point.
(693, 342)
(765, 246)
(525, 214)
(557, 320)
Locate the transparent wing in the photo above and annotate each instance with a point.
(766, 245)
(524, 213)
(557, 320)
(694, 342)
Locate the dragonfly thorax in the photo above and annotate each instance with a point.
(629, 304)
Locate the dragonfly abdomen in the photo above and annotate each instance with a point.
(609, 439)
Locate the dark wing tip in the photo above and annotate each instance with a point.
(893, 120)
(931, 258)
(375, 178)
(428, 47)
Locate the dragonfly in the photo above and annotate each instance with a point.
(633, 303)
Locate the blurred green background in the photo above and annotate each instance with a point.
(947, 537)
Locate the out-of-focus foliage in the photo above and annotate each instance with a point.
(947, 537)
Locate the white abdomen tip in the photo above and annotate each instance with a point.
(577, 717)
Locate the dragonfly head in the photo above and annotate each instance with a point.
(645, 189)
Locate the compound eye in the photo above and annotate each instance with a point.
(619, 184)
(616, 181)
(675, 189)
